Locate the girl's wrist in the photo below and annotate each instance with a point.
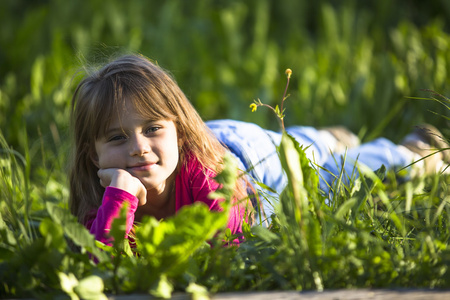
(115, 195)
(125, 181)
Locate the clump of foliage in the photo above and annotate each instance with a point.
(378, 232)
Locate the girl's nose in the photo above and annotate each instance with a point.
(139, 146)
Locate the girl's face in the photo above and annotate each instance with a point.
(146, 149)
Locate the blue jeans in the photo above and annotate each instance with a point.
(255, 150)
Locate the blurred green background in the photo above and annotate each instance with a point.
(354, 63)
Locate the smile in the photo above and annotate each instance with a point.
(143, 167)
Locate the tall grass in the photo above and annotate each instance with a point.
(380, 231)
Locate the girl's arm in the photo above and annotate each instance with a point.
(113, 200)
(120, 187)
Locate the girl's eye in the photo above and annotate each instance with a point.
(117, 138)
(153, 129)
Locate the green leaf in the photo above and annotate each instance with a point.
(68, 283)
(198, 292)
(162, 288)
(265, 234)
(53, 234)
(75, 231)
(7, 236)
(345, 208)
(227, 179)
(290, 160)
(265, 187)
(90, 288)
(118, 228)
(165, 247)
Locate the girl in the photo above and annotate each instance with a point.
(139, 140)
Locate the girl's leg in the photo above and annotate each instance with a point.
(322, 143)
(369, 156)
(424, 148)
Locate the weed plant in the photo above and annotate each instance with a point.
(381, 230)
(378, 232)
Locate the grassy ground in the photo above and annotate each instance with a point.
(354, 64)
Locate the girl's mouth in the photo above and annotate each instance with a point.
(143, 167)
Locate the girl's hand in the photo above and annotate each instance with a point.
(123, 180)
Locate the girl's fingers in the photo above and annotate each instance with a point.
(142, 196)
(106, 176)
(122, 179)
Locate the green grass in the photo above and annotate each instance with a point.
(379, 233)
(360, 64)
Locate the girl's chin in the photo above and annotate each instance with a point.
(152, 186)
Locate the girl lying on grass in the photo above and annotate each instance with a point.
(139, 140)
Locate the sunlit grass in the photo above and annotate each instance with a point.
(378, 230)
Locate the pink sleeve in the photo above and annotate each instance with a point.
(112, 202)
(194, 184)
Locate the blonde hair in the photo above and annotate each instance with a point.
(101, 95)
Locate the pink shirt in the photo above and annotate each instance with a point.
(192, 184)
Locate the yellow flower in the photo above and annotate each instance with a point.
(288, 72)
(253, 106)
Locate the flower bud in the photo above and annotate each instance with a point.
(288, 73)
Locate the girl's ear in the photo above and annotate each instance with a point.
(94, 157)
